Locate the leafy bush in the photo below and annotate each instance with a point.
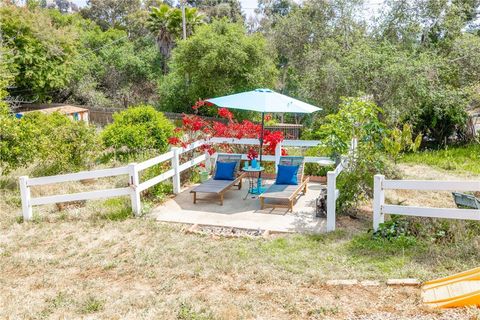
(54, 142)
(356, 118)
(61, 145)
(138, 130)
(400, 141)
(441, 115)
(17, 142)
(393, 228)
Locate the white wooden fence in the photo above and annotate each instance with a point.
(135, 187)
(380, 208)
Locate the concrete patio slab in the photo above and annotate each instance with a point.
(244, 214)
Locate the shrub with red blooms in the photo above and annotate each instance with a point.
(195, 128)
(224, 113)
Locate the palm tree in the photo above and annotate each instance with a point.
(166, 23)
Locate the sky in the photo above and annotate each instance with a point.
(248, 6)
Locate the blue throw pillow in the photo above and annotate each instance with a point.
(225, 171)
(287, 175)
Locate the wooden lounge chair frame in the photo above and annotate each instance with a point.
(219, 187)
(289, 196)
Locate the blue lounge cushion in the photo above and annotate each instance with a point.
(287, 175)
(225, 171)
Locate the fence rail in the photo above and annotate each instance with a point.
(380, 208)
(135, 187)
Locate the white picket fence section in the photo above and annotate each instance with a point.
(135, 187)
(380, 208)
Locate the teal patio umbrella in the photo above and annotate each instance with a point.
(264, 101)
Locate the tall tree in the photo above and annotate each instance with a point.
(165, 23)
(217, 9)
(220, 58)
(110, 13)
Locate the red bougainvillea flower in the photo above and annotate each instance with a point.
(198, 104)
(174, 141)
(224, 113)
(252, 154)
(211, 151)
(271, 139)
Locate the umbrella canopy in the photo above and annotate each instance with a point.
(265, 101)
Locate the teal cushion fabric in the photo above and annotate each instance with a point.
(225, 171)
(287, 175)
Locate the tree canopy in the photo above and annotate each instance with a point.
(219, 59)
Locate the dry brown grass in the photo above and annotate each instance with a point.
(80, 264)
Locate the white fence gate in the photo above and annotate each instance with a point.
(135, 187)
(380, 208)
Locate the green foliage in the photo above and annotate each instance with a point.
(356, 118)
(43, 59)
(219, 59)
(58, 57)
(165, 23)
(62, 145)
(54, 142)
(441, 115)
(218, 9)
(396, 227)
(111, 13)
(137, 130)
(399, 141)
(17, 142)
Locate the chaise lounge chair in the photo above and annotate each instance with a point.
(284, 192)
(219, 187)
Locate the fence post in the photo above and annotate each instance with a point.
(378, 201)
(135, 194)
(175, 166)
(331, 200)
(25, 194)
(278, 154)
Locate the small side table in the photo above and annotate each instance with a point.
(254, 180)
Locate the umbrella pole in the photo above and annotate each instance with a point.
(259, 181)
(261, 136)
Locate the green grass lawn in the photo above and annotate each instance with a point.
(459, 158)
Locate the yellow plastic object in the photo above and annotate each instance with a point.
(459, 290)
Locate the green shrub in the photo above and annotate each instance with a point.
(62, 145)
(17, 142)
(136, 131)
(53, 142)
(356, 118)
(442, 114)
